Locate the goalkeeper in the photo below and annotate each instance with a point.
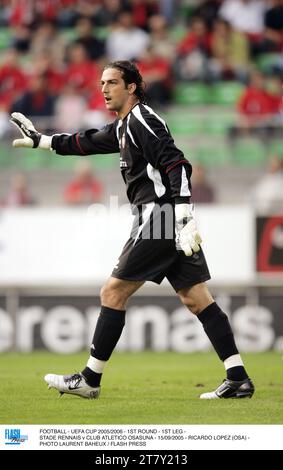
(164, 241)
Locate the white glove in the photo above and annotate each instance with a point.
(187, 237)
(31, 137)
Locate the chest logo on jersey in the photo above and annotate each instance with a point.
(123, 141)
(123, 164)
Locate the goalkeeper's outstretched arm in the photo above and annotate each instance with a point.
(89, 142)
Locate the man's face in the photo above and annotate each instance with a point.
(114, 89)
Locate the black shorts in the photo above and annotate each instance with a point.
(150, 254)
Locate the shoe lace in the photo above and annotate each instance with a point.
(74, 380)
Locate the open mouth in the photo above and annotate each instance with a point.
(107, 99)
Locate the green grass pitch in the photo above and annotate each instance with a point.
(139, 388)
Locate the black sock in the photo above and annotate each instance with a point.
(218, 329)
(92, 378)
(237, 373)
(107, 332)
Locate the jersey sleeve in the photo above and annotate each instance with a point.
(92, 141)
(151, 134)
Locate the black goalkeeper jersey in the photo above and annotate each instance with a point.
(152, 167)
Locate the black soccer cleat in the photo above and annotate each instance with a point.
(231, 389)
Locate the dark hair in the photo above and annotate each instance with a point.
(130, 74)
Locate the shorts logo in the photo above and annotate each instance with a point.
(123, 141)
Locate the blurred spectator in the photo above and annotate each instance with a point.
(193, 51)
(272, 39)
(156, 74)
(125, 41)
(274, 88)
(107, 12)
(68, 14)
(21, 38)
(273, 23)
(69, 110)
(161, 41)
(202, 191)
(142, 10)
(257, 108)
(37, 100)
(208, 11)
(168, 10)
(81, 72)
(245, 15)
(95, 47)
(33, 12)
(47, 39)
(85, 8)
(230, 52)
(43, 65)
(267, 194)
(13, 81)
(18, 194)
(84, 189)
(20, 13)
